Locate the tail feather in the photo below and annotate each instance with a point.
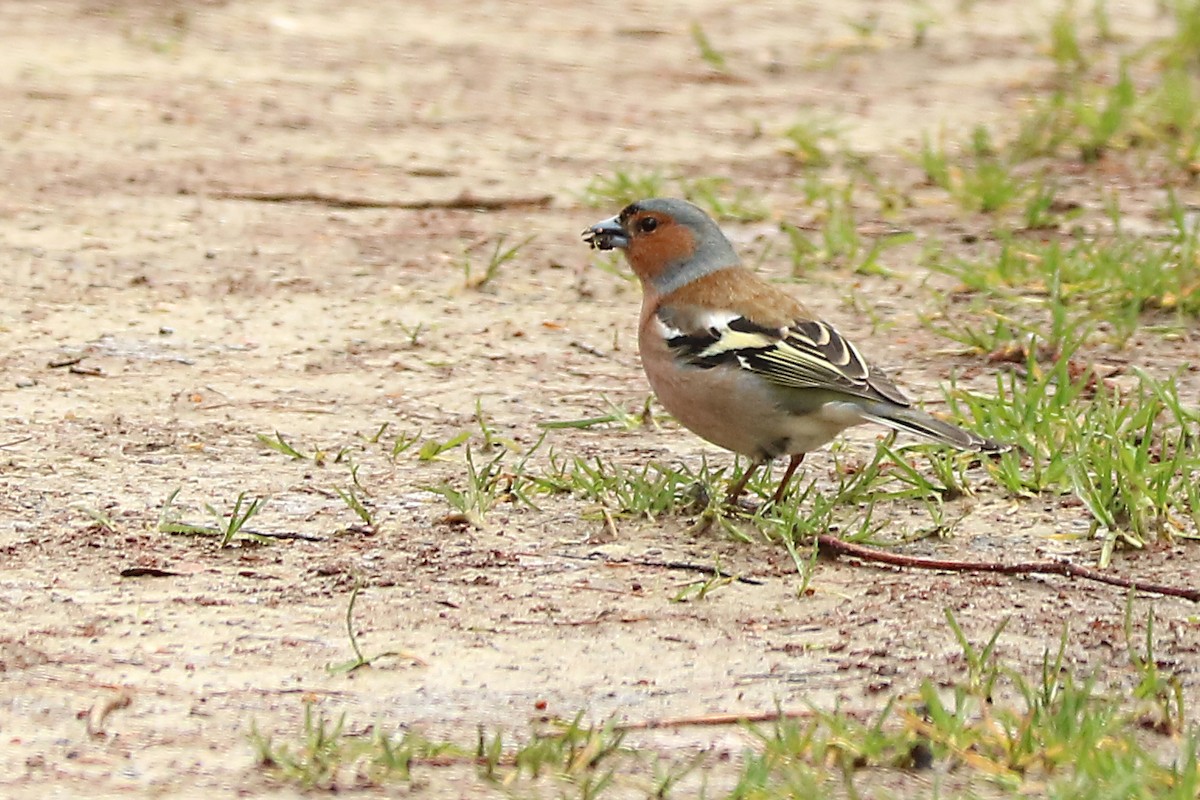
(912, 420)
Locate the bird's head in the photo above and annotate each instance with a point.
(668, 242)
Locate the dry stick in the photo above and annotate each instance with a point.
(463, 202)
(680, 566)
(832, 544)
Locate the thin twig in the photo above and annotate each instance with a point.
(609, 524)
(463, 202)
(15, 442)
(599, 619)
(682, 566)
(192, 529)
(583, 347)
(832, 544)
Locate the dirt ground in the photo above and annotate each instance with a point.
(149, 151)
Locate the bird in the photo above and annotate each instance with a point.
(740, 362)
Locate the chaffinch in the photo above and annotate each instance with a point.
(740, 362)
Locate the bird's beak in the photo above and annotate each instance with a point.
(607, 234)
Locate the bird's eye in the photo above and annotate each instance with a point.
(647, 224)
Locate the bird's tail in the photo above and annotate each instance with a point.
(915, 421)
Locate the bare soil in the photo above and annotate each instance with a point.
(212, 211)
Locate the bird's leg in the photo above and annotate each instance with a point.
(735, 491)
(787, 476)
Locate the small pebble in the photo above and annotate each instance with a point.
(25, 383)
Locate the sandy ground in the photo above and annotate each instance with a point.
(136, 137)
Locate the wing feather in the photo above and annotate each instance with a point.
(807, 354)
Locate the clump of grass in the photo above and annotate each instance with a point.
(1106, 99)
(281, 445)
(229, 527)
(1117, 279)
(354, 501)
(1053, 734)
(1136, 457)
(481, 493)
(717, 195)
(491, 482)
(984, 180)
(401, 444)
(329, 758)
(723, 200)
(701, 588)
(570, 750)
(809, 142)
(859, 506)
(436, 448)
(1109, 102)
(1130, 454)
(650, 491)
(622, 188)
(500, 256)
(1065, 47)
(100, 518)
(837, 241)
(994, 729)
(1132, 458)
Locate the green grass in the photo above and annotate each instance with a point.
(354, 501)
(436, 448)
(724, 200)
(487, 484)
(502, 474)
(326, 757)
(360, 659)
(709, 54)
(622, 188)
(228, 526)
(835, 240)
(281, 445)
(865, 502)
(990, 727)
(1092, 117)
(811, 142)
(617, 416)
(984, 180)
(702, 588)
(651, 491)
(500, 255)
(1131, 457)
(719, 196)
(1122, 281)
(1109, 98)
